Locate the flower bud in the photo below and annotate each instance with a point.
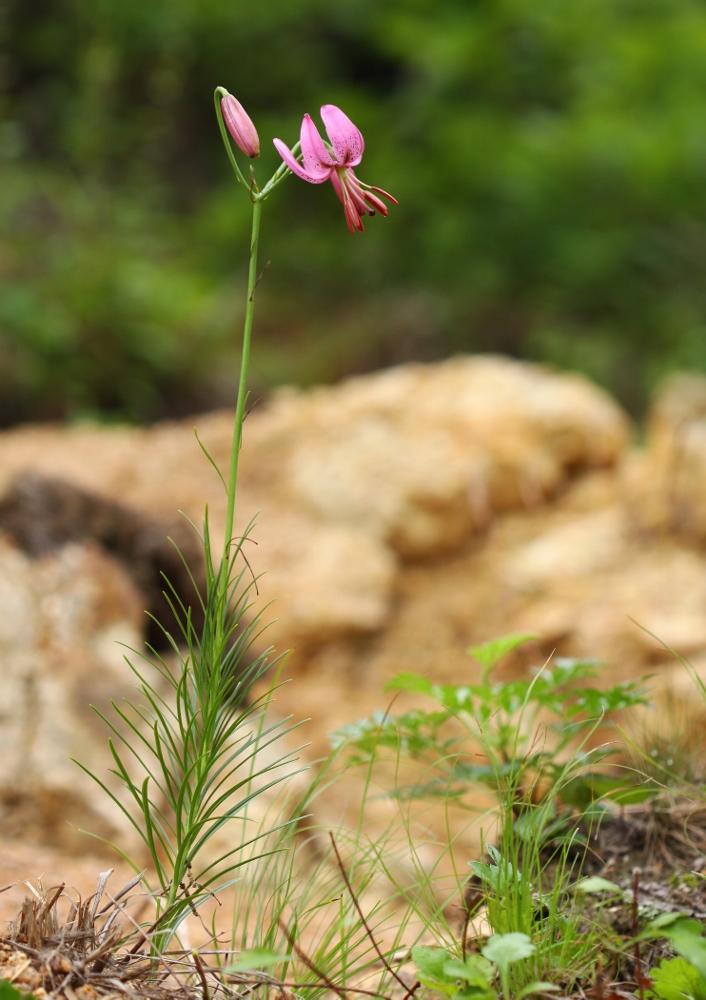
(240, 126)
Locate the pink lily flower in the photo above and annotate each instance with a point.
(337, 165)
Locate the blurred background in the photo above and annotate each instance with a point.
(549, 159)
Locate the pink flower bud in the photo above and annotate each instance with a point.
(240, 126)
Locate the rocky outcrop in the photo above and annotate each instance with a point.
(42, 514)
(66, 621)
(352, 481)
(422, 457)
(404, 516)
(664, 482)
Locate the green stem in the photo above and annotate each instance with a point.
(279, 174)
(242, 387)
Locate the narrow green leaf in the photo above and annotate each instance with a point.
(258, 958)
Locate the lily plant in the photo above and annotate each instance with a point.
(188, 752)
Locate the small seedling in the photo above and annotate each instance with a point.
(504, 719)
(474, 977)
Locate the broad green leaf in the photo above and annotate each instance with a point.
(586, 788)
(10, 992)
(499, 875)
(594, 883)
(471, 992)
(409, 682)
(490, 653)
(430, 964)
(662, 921)
(686, 939)
(537, 988)
(476, 970)
(566, 670)
(676, 978)
(627, 796)
(683, 925)
(505, 949)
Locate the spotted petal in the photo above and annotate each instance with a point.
(317, 158)
(346, 139)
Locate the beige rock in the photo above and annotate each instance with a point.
(420, 456)
(66, 621)
(581, 546)
(70, 621)
(334, 579)
(664, 483)
(408, 462)
(404, 517)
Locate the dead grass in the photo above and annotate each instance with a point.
(79, 949)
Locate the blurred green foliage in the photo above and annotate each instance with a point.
(549, 159)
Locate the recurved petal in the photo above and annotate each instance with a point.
(337, 187)
(384, 194)
(346, 139)
(296, 167)
(317, 158)
(355, 192)
(343, 191)
(375, 203)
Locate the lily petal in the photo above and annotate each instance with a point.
(296, 167)
(383, 193)
(376, 204)
(342, 189)
(317, 158)
(352, 185)
(346, 139)
(335, 181)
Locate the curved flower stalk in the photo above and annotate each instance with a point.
(336, 165)
(236, 125)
